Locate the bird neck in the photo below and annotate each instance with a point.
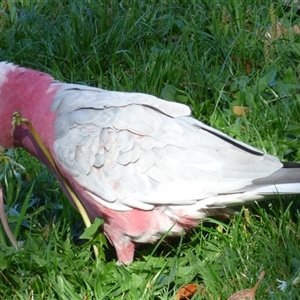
(31, 93)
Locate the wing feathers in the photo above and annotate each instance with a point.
(72, 97)
(134, 150)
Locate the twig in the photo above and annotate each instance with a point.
(5, 222)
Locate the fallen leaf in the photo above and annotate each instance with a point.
(187, 291)
(248, 294)
(240, 110)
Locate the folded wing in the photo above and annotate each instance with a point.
(131, 150)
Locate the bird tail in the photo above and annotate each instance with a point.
(285, 181)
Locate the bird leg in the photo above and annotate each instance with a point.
(123, 245)
(17, 120)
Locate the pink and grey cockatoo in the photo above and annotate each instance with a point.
(141, 163)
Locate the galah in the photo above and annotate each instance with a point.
(141, 163)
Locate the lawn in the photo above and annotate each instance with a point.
(236, 64)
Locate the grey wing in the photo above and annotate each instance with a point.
(141, 151)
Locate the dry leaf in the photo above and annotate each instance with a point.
(240, 110)
(244, 62)
(187, 291)
(248, 293)
(248, 66)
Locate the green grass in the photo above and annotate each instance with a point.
(211, 55)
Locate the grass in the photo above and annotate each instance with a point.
(211, 55)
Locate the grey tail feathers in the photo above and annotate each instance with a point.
(289, 173)
(285, 181)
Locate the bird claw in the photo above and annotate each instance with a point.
(16, 120)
